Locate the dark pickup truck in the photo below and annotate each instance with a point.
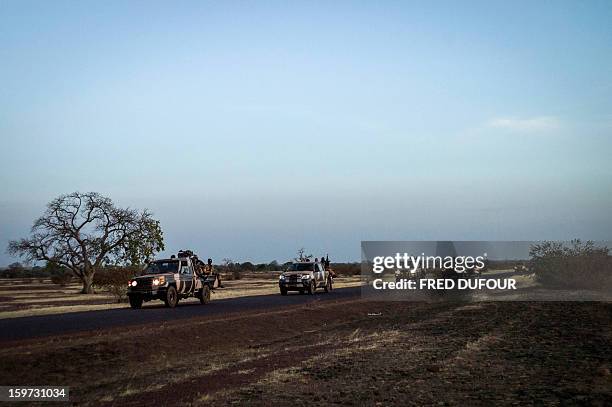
(170, 280)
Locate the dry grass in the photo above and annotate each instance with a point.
(129, 362)
(489, 354)
(407, 354)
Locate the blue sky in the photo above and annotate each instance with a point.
(253, 128)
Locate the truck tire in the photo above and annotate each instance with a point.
(283, 291)
(312, 288)
(135, 302)
(205, 295)
(171, 297)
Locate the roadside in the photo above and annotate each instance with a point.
(346, 352)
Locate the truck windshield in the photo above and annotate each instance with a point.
(301, 267)
(170, 266)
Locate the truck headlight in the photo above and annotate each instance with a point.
(282, 277)
(132, 283)
(159, 281)
(306, 276)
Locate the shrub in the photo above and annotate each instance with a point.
(8, 274)
(114, 280)
(17, 270)
(15, 266)
(59, 275)
(579, 265)
(233, 271)
(61, 278)
(232, 274)
(247, 266)
(346, 269)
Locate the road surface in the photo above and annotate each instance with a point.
(45, 325)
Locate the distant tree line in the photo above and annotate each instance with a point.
(63, 276)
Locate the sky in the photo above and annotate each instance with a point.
(253, 128)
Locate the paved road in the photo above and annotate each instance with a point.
(44, 325)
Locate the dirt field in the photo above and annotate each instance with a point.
(338, 352)
(29, 297)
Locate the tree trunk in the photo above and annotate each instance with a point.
(87, 283)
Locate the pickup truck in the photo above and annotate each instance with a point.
(305, 277)
(170, 280)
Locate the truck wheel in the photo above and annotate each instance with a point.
(205, 295)
(312, 288)
(135, 302)
(283, 291)
(171, 297)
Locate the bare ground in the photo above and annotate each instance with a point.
(338, 352)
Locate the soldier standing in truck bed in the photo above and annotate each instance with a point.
(210, 270)
(326, 264)
(200, 267)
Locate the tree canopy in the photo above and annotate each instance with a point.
(84, 231)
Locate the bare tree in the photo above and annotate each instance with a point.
(84, 231)
(301, 256)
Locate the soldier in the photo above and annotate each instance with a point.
(328, 268)
(200, 267)
(209, 269)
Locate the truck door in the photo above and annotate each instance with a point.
(319, 274)
(325, 274)
(186, 276)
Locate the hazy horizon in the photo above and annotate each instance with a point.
(253, 129)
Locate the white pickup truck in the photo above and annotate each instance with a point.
(305, 277)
